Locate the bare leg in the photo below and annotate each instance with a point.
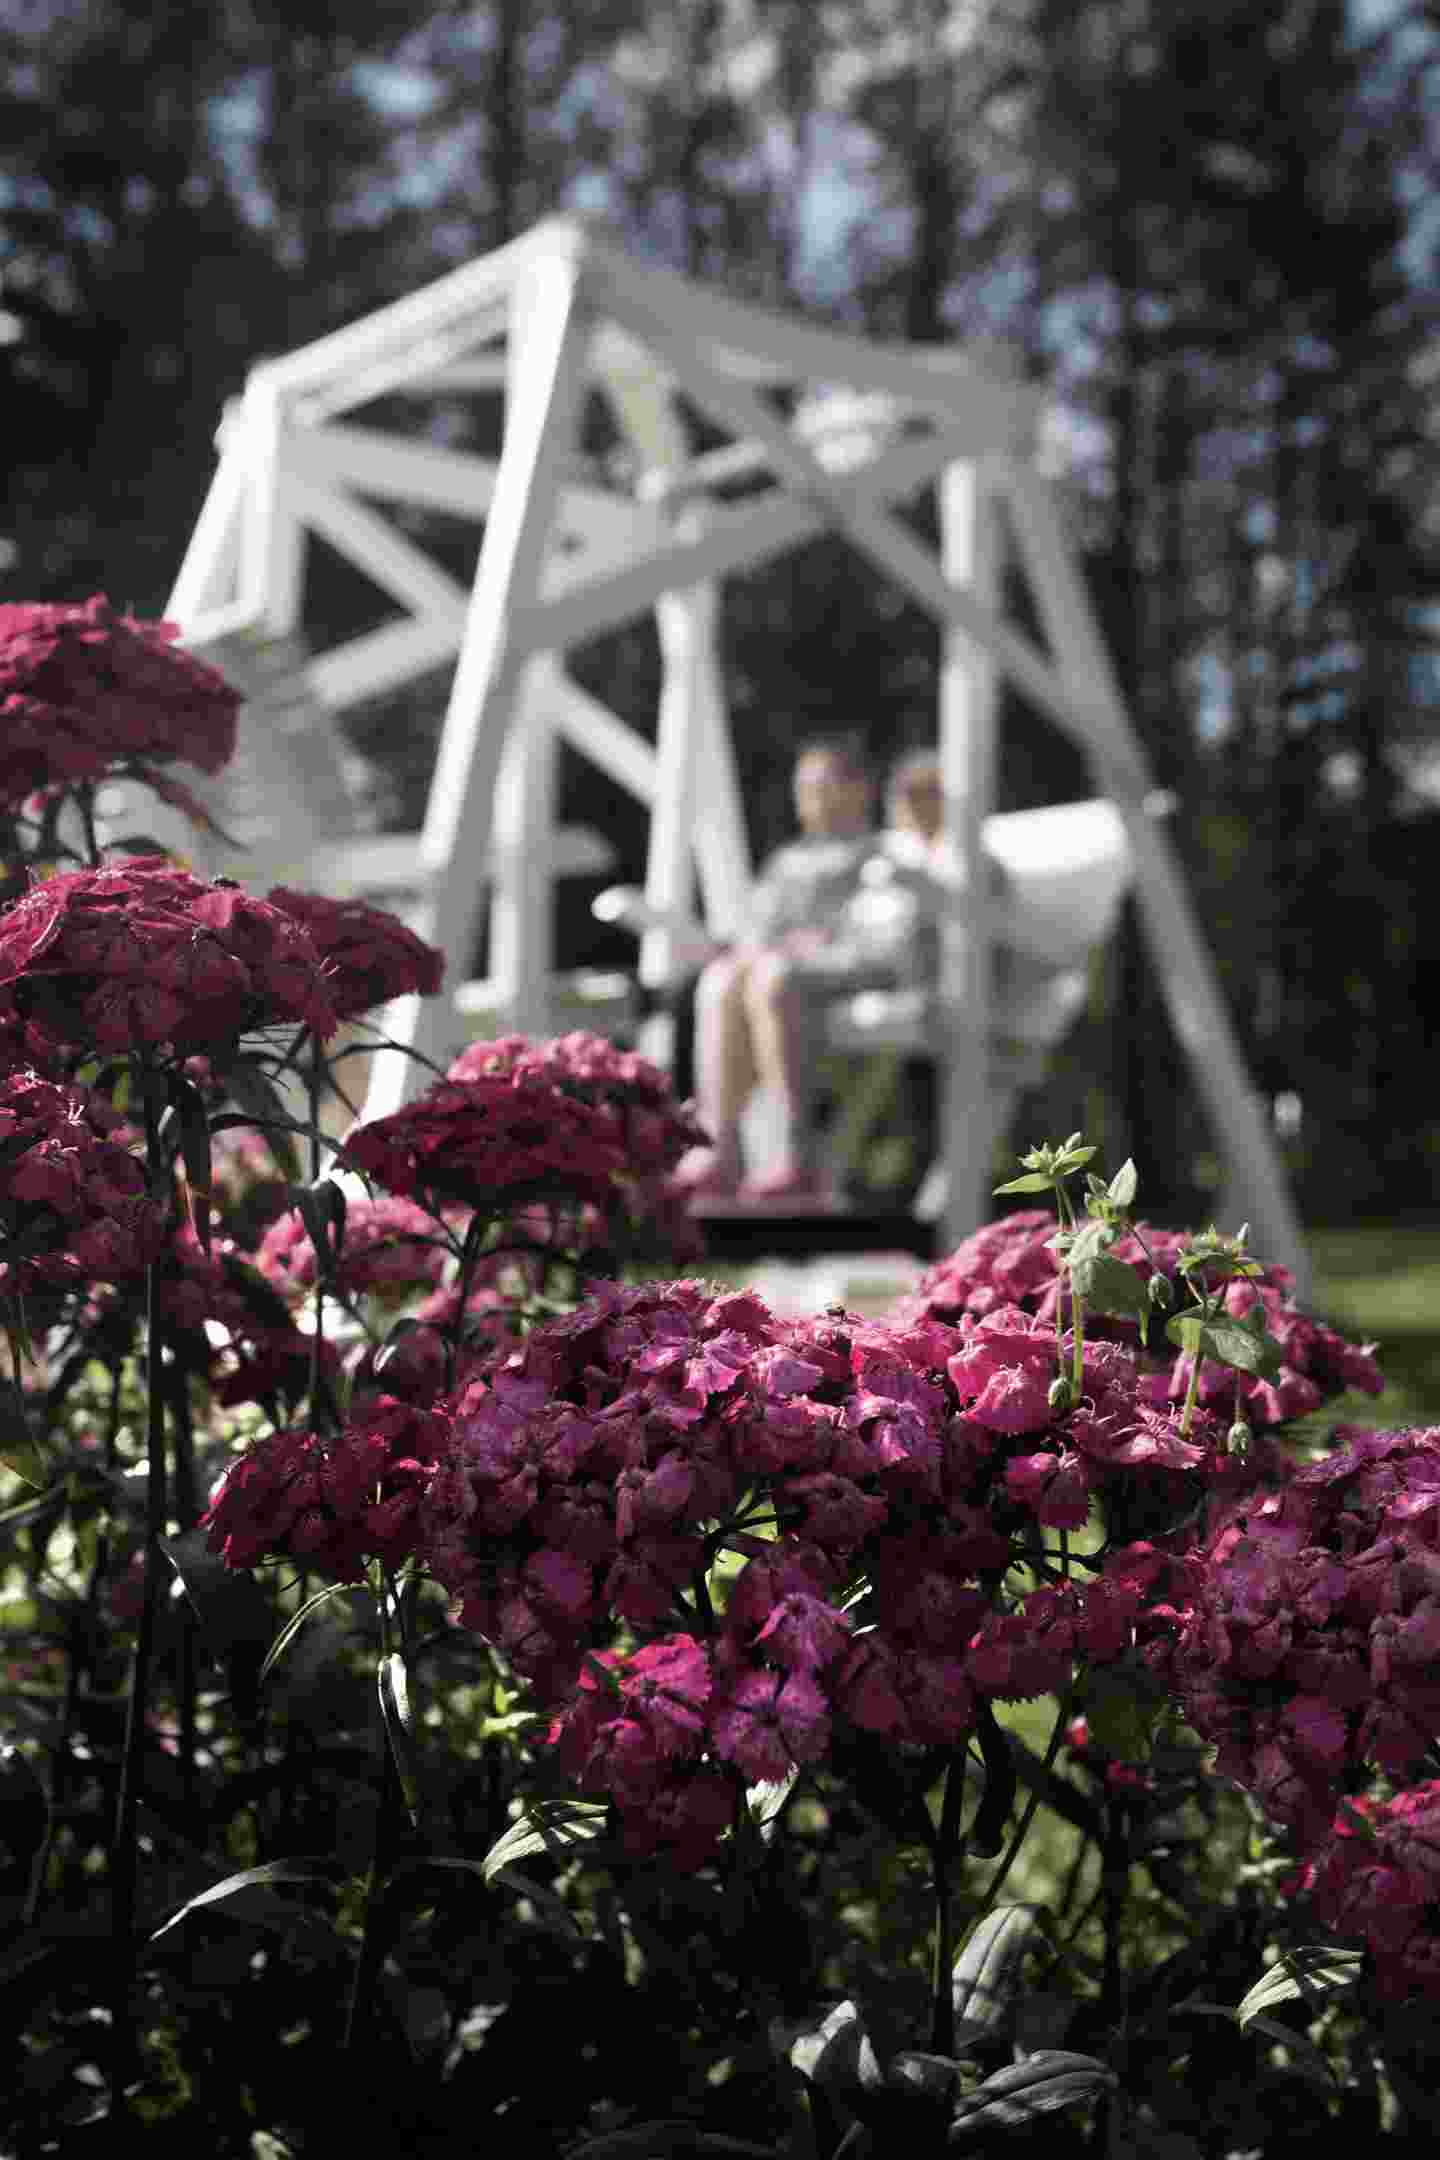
(725, 1069)
(781, 1030)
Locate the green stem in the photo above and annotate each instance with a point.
(1027, 1816)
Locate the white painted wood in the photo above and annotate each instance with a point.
(1182, 963)
(547, 348)
(209, 574)
(735, 538)
(381, 660)
(727, 335)
(395, 469)
(375, 546)
(971, 557)
(522, 919)
(389, 863)
(606, 740)
(261, 431)
(880, 537)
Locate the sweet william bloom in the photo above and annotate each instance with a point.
(147, 957)
(85, 691)
(389, 1244)
(370, 955)
(73, 1201)
(765, 1722)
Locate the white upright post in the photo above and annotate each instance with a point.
(548, 341)
(522, 902)
(1182, 961)
(969, 696)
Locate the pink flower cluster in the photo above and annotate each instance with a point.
(1013, 1262)
(514, 1119)
(329, 1502)
(390, 1245)
(369, 954)
(594, 1477)
(83, 689)
(1312, 1653)
(1376, 1877)
(73, 1200)
(146, 956)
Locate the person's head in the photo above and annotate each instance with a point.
(914, 798)
(834, 787)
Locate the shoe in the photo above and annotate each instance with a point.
(702, 1176)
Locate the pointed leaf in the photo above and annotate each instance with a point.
(986, 1977)
(312, 1872)
(189, 1107)
(1034, 1182)
(1016, 2095)
(548, 1826)
(248, 1084)
(766, 1801)
(1123, 1185)
(1227, 1342)
(297, 1620)
(1111, 1286)
(393, 1682)
(1311, 1972)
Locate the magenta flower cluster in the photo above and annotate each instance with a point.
(74, 1206)
(598, 1475)
(84, 691)
(1376, 1878)
(369, 954)
(147, 957)
(331, 1502)
(514, 1119)
(1311, 1656)
(1014, 1262)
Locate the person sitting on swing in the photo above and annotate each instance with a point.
(759, 1006)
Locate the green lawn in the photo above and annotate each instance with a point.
(1383, 1285)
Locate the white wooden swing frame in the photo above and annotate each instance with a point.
(549, 318)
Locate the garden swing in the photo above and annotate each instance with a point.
(821, 432)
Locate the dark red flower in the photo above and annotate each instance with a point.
(73, 1202)
(84, 691)
(145, 956)
(370, 955)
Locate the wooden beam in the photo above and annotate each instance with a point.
(547, 348)
(209, 575)
(733, 539)
(381, 660)
(605, 739)
(731, 335)
(369, 541)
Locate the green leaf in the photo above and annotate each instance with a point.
(21, 1452)
(189, 1107)
(1123, 1185)
(1109, 1285)
(313, 1872)
(1032, 1183)
(1052, 2078)
(393, 1682)
(766, 1801)
(1226, 1342)
(322, 1209)
(986, 1977)
(1313, 1972)
(297, 1620)
(1089, 1241)
(248, 1084)
(556, 1827)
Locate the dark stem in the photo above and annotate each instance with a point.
(124, 1857)
(947, 1848)
(360, 2007)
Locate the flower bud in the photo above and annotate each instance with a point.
(1238, 1437)
(1062, 1394)
(1159, 1292)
